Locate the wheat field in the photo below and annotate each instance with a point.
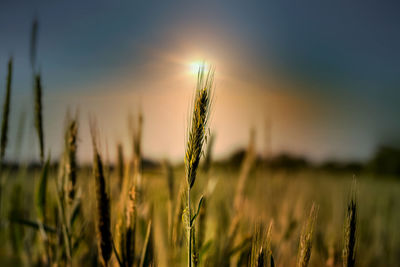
(280, 198)
(199, 212)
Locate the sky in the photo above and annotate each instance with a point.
(316, 78)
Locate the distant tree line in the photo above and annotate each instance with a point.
(385, 161)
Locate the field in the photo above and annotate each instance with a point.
(281, 197)
(131, 211)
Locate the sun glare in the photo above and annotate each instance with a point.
(195, 66)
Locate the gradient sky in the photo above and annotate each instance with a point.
(324, 73)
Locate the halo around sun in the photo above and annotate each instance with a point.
(195, 66)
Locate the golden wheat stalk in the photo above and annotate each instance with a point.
(136, 131)
(306, 238)
(71, 163)
(130, 229)
(120, 164)
(146, 247)
(261, 254)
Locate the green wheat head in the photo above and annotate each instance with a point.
(198, 125)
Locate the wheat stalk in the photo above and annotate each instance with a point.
(306, 238)
(197, 132)
(70, 163)
(40, 198)
(103, 221)
(146, 246)
(349, 249)
(261, 254)
(38, 114)
(6, 113)
(136, 131)
(40, 202)
(120, 164)
(33, 43)
(127, 230)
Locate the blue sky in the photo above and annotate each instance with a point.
(325, 73)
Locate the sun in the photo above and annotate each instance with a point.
(195, 66)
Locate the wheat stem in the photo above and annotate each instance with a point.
(6, 112)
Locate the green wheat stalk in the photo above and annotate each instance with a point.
(196, 136)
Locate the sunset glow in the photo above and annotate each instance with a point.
(196, 65)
